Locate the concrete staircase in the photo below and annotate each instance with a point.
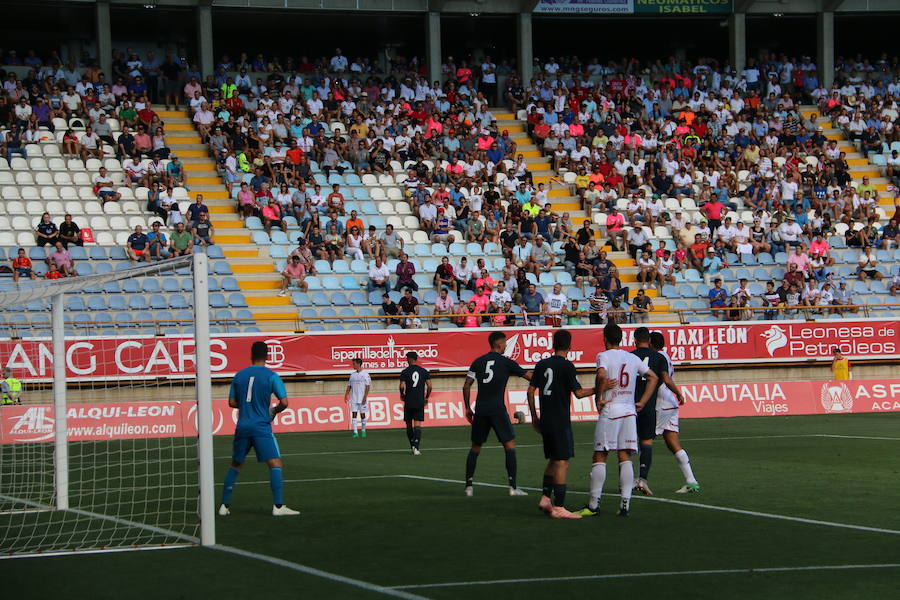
(859, 165)
(252, 265)
(563, 201)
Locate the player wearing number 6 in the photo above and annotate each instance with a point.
(251, 393)
(555, 379)
(415, 389)
(491, 370)
(616, 429)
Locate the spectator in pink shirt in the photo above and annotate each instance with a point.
(271, 216)
(246, 201)
(801, 259)
(63, 260)
(443, 305)
(614, 223)
(820, 246)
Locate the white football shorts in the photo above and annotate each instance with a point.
(616, 434)
(666, 420)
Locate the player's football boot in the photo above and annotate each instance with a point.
(363, 434)
(470, 491)
(623, 510)
(560, 512)
(517, 492)
(416, 452)
(224, 511)
(355, 434)
(545, 505)
(689, 488)
(284, 511)
(587, 511)
(642, 487)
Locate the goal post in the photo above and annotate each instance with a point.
(140, 475)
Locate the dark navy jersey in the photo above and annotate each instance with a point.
(414, 377)
(492, 371)
(555, 379)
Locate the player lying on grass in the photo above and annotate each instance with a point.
(415, 389)
(491, 370)
(616, 429)
(251, 393)
(555, 380)
(646, 418)
(357, 396)
(667, 420)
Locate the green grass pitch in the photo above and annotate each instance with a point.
(369, 513)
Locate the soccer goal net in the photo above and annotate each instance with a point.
(105, 422)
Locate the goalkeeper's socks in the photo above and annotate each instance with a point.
(511, 466)
(276, 480)
(471, 461)
(417, 437)
(547, 486)
(230, 479)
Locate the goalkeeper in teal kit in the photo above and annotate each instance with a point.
(251, 393)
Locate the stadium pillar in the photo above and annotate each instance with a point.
(104, 38)
(205, 36)
(526, 49)
(737, 41)
(434, 46)
(825, 46)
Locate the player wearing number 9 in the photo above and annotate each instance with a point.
(492, 371)
(556, 380)
(415, 389)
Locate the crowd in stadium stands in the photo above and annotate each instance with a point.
(694, 169)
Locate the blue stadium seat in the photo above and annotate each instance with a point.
(36, 253)
(117, 302)
(253, 224)
(117, 253)
(261, 238)
(170, 284)
(151, 286)
(300, 299)
(78, 253)
(669, 291)
(158, 302)
(178, 301)
(103, 267)
(74, 303)
(237, 300)
(308, 315)
(331, 283)
(686, 291)
(131, 286)
(222, 268)
(137, 303)
(765, 258)
(320, 299)
(313, 282)
(215, 251)
(217, 300)
(357, 298)
(230, 284)
(213, 285)
(244, 316)
(339, 299)
(340, 267)
(123, 319)
(97, 303)
(85, 268)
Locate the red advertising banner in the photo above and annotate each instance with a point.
(105, 421)
(446, 350)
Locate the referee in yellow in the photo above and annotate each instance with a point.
(840, 367)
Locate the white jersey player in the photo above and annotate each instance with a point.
(667, 421)
(357, 396)
(616, 429)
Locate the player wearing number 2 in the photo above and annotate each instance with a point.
(415, 389)
(555, 379)
(616, 429)
(492, 370)
(251, 393)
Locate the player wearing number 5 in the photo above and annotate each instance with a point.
(555, 379)
(491, 370)
(251, 393)
(415, 389)
(616, 429)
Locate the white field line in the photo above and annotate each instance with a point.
(740, 511)
(406, 450)
(745, 571)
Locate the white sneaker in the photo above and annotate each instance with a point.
(284, 511)
(470, 491)
(517, 492)
(224, 511)
(282, 293)
(416, 452)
